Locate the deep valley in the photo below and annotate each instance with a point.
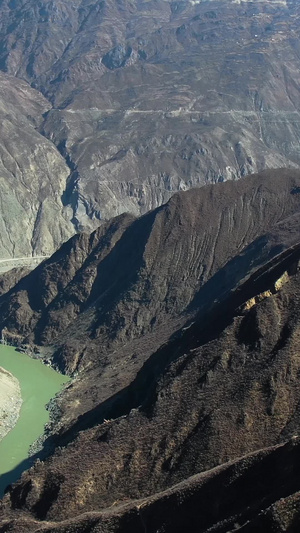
(150, 251)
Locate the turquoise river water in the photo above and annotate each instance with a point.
(39, 383)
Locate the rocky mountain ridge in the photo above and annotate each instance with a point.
(177, 261)
(185, 423)
(175, 508)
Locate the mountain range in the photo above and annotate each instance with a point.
(138, 146)
(112, 107)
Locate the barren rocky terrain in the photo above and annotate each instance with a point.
(176, 261)
(112, 107)
(137, 155)
(33, 220)
(186, 368)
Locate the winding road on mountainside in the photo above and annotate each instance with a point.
(15, 262)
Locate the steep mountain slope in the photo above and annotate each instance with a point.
(110, 299)
(148, 98)
(258, 493)
(177, 95)
(33, 176)
(181, 327)
(225, 386)
(90, 314)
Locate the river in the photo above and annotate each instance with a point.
(39, 383)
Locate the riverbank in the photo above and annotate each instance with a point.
(39, 384)
(10, 401)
